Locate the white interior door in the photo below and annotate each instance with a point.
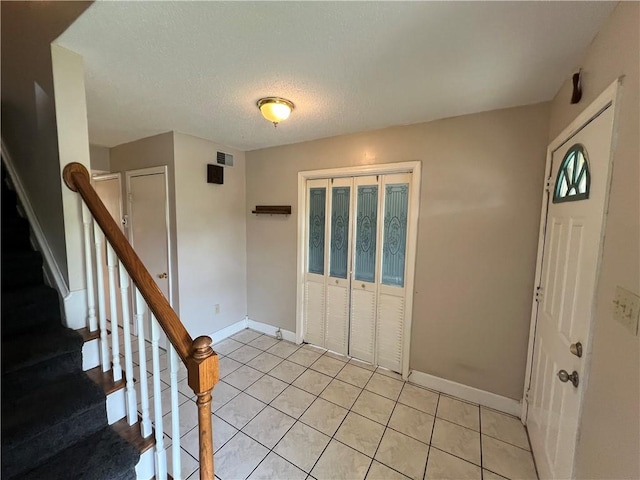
(366, 255)
(315, 263)
(339, 278)
(390, 323)
(109, 189)
(572, 245)
(147, 201)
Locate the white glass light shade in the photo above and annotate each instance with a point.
(275, 109)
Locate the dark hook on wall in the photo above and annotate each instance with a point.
(577, 87)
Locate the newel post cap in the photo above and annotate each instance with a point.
(202, 367)
(72, 169)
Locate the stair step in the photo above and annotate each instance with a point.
(105, 455)
(29, 359)
(49, 419)
(27, 309)
(131, 433)
(15, 234)
(105, 381)
(21, 269)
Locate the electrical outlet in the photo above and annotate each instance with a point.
(626, 309)
(217, 307)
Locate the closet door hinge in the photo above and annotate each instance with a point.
(539, 294)
(548, 186)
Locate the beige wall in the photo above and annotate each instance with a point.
(99, 158)
(28, 108)
(609, 444)
(73, 146)
(151, 152)
(211, 234)
(479, 215)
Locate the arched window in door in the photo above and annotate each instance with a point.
(574, 178)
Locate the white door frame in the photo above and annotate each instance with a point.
(608, 98)
(413, 167)
(113, 176)
(153, 171)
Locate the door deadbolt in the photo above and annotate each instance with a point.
(162, 275)
(565, 377)
(576, 349)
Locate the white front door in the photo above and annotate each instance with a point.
(572, 246)
(148, 227)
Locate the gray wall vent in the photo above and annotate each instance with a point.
(225, 159)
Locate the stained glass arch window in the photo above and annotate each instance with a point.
(574, 179)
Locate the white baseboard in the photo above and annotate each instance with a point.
(228, 331)
(75, 309)
(52, 270)
(145, 468)
(465, 392)
(116, 406)
(271, 330)
(91, 354)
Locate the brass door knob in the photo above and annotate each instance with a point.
(564, 377)
(163, 275)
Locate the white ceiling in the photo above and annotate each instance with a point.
(200, 67)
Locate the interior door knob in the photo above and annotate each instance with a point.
(162, 275)
(564, 377)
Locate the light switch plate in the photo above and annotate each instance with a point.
(626, 309)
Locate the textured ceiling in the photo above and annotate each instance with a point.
(200, 67)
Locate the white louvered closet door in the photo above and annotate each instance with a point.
(338, 281)
(365, 259)
(315, 294)
(391, 289)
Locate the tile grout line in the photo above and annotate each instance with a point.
(362, 389)
(435, 417)
(294, 423)
(349, 410)
(317, 396)
(481, 459)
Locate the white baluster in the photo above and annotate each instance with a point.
(175, 416)
(98, 236)
(132, 410)
(141, 309)
(112, 261)
(88, 265)
(161, 454)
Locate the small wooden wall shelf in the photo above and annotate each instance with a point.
(272, 210)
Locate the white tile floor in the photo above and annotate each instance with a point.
(282, 411)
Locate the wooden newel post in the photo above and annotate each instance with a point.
(203, 375)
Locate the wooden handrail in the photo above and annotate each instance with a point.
(77, 178)
(197, 355)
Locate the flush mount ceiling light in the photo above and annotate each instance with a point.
(275, 109)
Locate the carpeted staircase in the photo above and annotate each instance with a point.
(54, 420)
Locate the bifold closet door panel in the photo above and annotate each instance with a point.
(338, 282)
(390, 321)
(390, 330)
(365, 259)
(314, 306)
